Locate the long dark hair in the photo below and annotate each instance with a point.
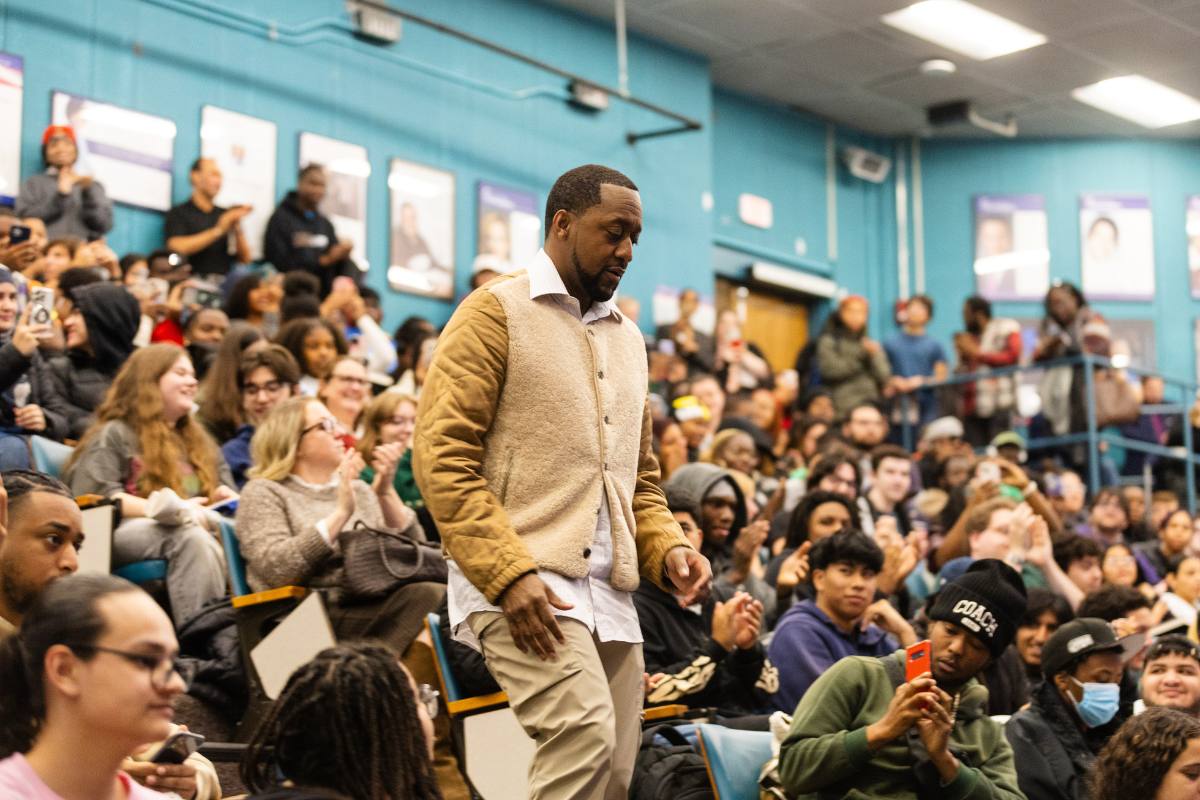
(346, 722)
(65, 612)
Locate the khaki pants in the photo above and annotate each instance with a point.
(583, 709)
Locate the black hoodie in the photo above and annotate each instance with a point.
(82, 376)
(296, 239)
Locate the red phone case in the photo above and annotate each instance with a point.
(917, 660)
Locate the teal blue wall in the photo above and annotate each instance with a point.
(1166, 171)
(337, 86)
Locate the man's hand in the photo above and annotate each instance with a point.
(1041, 549)
(18, 257)
(747, 623)
(526, 604)
(724, 629)
(689, 572)
(935, 727)
(30, 417)
(907, 707)
(885, 615)
(794, 570)
(230, 219)
(749, 542)
(177, 778)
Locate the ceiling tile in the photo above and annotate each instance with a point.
(1149, 43)
(922, 91)
(867, 112)
(1062, 18)
(849, 58)
(748, 24)
(1041, 71)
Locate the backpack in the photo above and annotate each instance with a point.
(675, 772)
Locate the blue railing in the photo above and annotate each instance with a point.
(1092, 436)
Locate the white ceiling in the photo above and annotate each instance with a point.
(835, 59)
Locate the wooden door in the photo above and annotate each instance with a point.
(776, 323)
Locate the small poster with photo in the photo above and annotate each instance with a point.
(1193, 243)
(347, 170)
(1012, 251)
(244, 149)
(421, 252)
(510, 228)
(1117, 244)
(130, 153)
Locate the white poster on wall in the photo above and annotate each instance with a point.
(129, 152)
(1117, 240)
(422, 235)
(244, 149)
(1012, 251)
(347, 169)
(12, 89)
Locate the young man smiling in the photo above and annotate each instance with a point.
(863, 731)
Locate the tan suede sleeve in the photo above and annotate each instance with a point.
(458, 403)
(657, 531)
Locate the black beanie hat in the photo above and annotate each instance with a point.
(987, 601)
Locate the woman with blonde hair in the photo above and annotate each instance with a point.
(345, 391)
(147, 451)
(304, 492)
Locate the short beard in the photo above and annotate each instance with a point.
(590, 284)
(16, 597)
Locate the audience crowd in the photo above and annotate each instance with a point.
(202, 394)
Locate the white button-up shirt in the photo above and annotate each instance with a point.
(607, 612)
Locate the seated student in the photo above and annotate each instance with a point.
(95, 664)
(707, 655)
(100, 322)
(818, 516)
(859, 729)
(1183, 579)
(26, 388)
(44, 533)
(1156, 754)
(266, 377)
(1079, 559)
(1174, 536)
(304, 491)
(1171, 677)
(346, 307)
(255, 299)
(1109, 517)
(147, 451)
(391, 418)
(219, 397)
(203, 331)
(346, 391)
(843, 620)
(38, 543)
(892, 468)
(1045, 613)
(730, 544)
(315, 343)
(1073, 713)
(350, 723)
(1120, 567)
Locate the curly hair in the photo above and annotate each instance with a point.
(134, 398)
(1138, 756)
(347, 721)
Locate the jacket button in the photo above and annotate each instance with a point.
(591, 332)
(600, 374)
(606, 422)
(587, 552)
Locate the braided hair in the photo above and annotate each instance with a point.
(347, 722)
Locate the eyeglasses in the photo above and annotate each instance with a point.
(161, 668)
(352, 380)
(270, 387)
(429, 698)
(327, 424)
(403, 421)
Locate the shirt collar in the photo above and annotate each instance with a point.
(545, 280)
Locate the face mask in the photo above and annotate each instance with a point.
(1099, 704)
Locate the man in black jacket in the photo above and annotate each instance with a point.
(298, 236)
(1073, 714)
(706, 655)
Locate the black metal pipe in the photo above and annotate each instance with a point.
(686, 123)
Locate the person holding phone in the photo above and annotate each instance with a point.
(69, 203)
(864, 730)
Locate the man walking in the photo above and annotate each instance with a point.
(533, 454)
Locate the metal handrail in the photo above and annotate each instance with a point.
(1091, 436)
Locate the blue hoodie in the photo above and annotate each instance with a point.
(806, 643)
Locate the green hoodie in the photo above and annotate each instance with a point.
(826, 752)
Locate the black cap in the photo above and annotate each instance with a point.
(987, 601)
(1076, 640)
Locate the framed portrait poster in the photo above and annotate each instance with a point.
(510, 228)
(421, 247)
(347, 169)
(12, 91)
(1012, 250)
(1117, 245)
(129, 152)
(1193, 243)
(244, 149)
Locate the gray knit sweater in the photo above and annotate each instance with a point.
(277, 530)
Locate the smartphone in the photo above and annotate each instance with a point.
(227, 507)
(41, 305)
(205, 296)
(988, 472)
(916, 662)
(160, 289)
(19, 233)
(178, 747)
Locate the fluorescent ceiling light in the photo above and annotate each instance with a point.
(959, 26)
(1141, 100)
